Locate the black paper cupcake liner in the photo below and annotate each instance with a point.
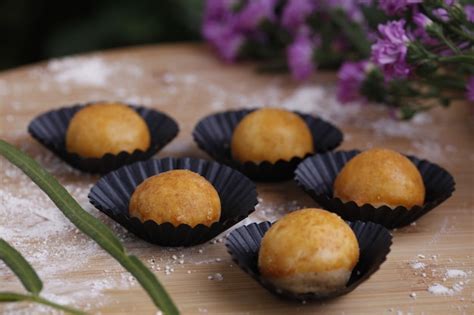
(112, 193)
(213, 134)
(316, 175)
(243, 244)
(50, 130)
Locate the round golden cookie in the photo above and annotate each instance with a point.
(271, 134)
(380, 177)
(102, 128)
(178, 197)
(309, 250)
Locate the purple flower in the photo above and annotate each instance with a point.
(390, 50)
(470, 89)
(394, 31)
(219, 28)
(421, 20)
(365, 2)
(469, 10)
(229, 46)
(394, 7)
(351, 75)
(441, 14)
(224, 39)
(254, 13)
(295, 13)
(218, 9)
(350, 7)
(300, 56)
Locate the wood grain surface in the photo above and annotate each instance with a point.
(189, 82)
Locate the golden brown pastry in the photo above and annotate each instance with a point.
(102, 128)
(271, 134)
(178, 197)
(380, 177)
(309, 250)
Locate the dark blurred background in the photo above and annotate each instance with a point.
(33, 30)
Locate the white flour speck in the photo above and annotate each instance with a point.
(417, 265)
(439, 289)
(84, 71)
(216, 277)
(455, 273)
(320, 101)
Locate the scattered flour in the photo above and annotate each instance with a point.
(82, 71)
(386, 126)
(320, 100)
(44, 220)
(87, 71)
(270, 211)
(439, 289)
(34, 226)
(455, 273)
(54, 238)
(417, 265)
(429, 149)
(216, 277)
(433, 273)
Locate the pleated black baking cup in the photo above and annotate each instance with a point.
(243, 244)
(213, 134)
(50, 130)
(112, 193)
(316, 175)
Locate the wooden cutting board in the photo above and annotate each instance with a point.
(189, 82)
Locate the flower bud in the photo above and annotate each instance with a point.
(422, 20)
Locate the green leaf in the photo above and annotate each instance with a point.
(63, 200)
(148, 281)
(373, 87)
(462, 59)
(17, 297)
(407, 112)
(28, 276)
(12, 297)
(89, 225)
(20, 267)
(353, 32)
(445, 102)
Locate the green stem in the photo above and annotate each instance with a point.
(426, 96)
(423, 108)
(40, 300)
(89, 225)
(446, 83)
(20, 267)
(11, 296)
(352, 31)
(277, 66)
(448, 42)
(466, 35)
(427, 11)
(457, 59)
